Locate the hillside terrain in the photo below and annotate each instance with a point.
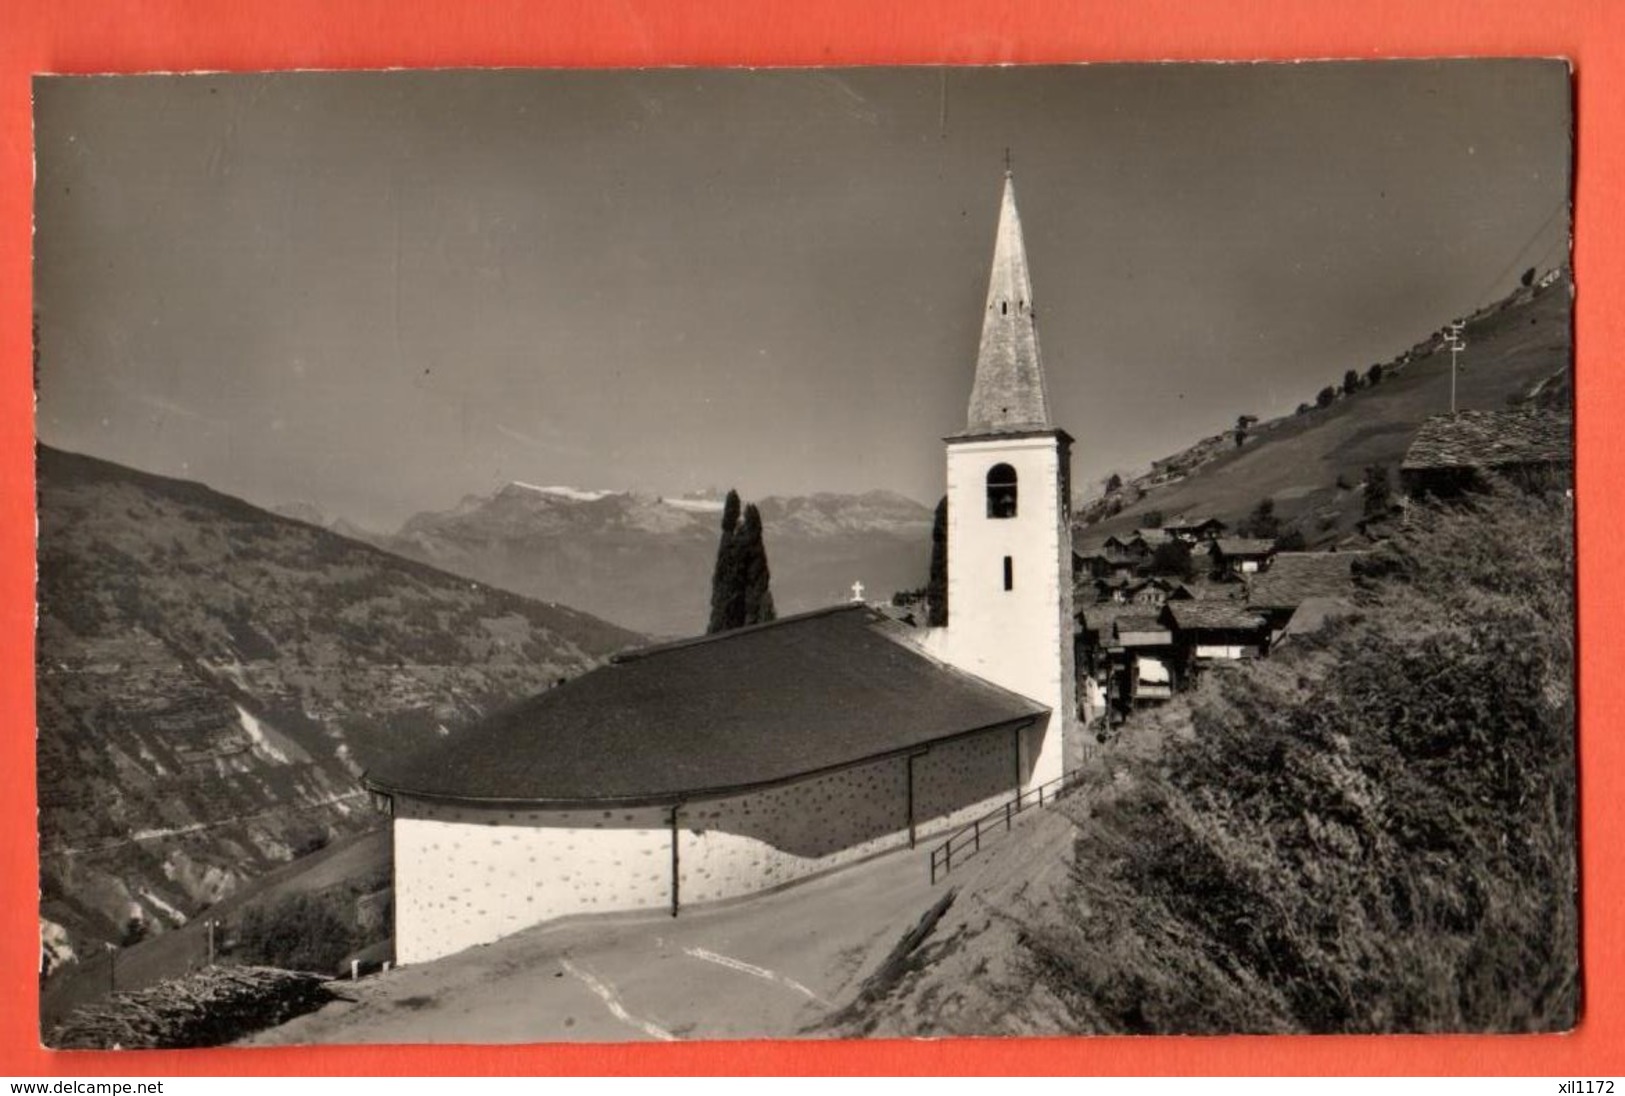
(646, 562)
(212, 678)
(1372, 830)
(1311, 464)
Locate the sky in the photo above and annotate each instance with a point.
(381, 292)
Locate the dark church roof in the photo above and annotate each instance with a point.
(740, 710)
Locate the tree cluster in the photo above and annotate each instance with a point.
(936, 587)
(297, 932)
(1261, 524)
(740, 593)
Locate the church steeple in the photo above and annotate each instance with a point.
(1008, 396)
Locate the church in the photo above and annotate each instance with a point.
(728, 765)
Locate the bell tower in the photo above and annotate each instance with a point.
(1010, 615)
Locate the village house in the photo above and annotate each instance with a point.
(1113, 557)
(1214, 631)
(1194, 529)
(1237, 556)
(1324, 580)
(1454, 453)
(732, 764)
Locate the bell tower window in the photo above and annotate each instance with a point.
(1001, 491)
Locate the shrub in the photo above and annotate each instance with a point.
(1173, 559)
(309, 932)
(1379, 497)
(1372, 831)
(1262, 522)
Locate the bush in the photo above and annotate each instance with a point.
(1379, 496)
(1326, 396)
(309, 932)
(1373, 831)
(1262, 522)
(1172, 558)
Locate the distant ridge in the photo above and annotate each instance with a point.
(645, 560)
(1312, 464)
(211, 678)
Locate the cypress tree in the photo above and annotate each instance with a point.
(936, 587)
(727, 590)
(756, 599)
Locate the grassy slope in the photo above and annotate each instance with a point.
(1297, 460)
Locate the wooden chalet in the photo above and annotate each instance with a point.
(1236, 556)
(1195, 529)
(1296, 577)
(1456, 453)
(1214, 631)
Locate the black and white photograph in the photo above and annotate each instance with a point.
(551, 556)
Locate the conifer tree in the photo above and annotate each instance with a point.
(936, 586)
(727, 591)
(756, 600)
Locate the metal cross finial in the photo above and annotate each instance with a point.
(857, 591)
(1007, 168)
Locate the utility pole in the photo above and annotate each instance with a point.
(112, 968)
(210, 924)
(1455, 338)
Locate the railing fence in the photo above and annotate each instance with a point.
(971, 833)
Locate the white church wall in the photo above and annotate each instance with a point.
(1019, 638)
(467, 875)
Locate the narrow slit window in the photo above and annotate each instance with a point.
(1009, 574)
(1001, 491)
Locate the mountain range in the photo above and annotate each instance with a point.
(646, 561)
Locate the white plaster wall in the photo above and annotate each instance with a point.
(1019, 638)
(467, 875)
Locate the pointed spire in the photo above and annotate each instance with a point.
(1008, 395)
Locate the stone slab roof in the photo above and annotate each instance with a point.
(1243, 546)
(1295, 577)
(740, 710)
(1491, 439)
(1212, 616)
